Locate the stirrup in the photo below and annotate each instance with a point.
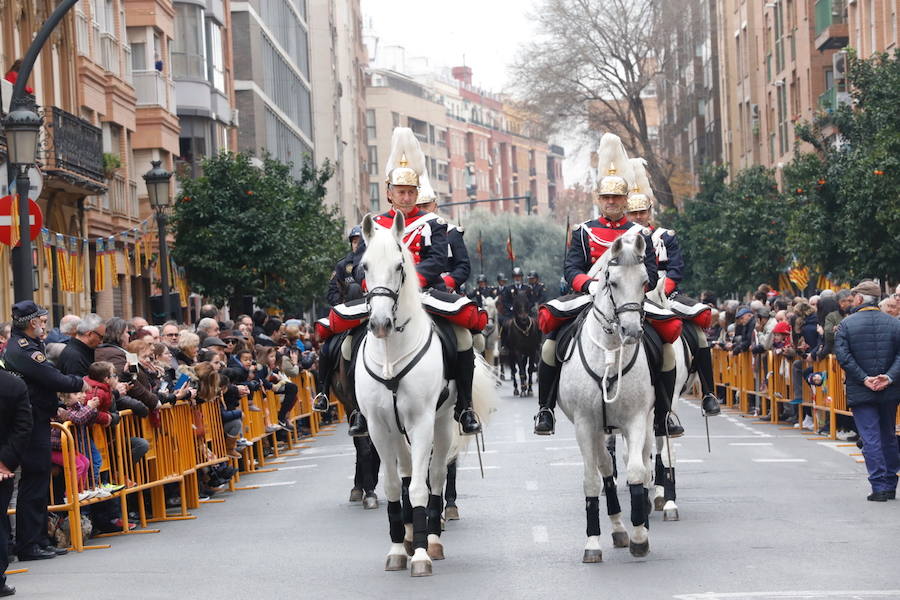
(674, 417)
(711, 413)
(320, 403)
(477, 422)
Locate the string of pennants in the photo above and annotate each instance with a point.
(132, 247)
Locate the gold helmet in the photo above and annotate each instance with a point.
(612, 152)
(406, 162)
(641, 196)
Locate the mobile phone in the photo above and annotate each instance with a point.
(182, 380)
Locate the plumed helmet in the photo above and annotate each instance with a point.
(611, 156)
(641, 196)
(426, 192)
(517, 272)
(481, 278)
(406, 162)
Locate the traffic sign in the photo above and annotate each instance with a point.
(35, 218)
(34, 175)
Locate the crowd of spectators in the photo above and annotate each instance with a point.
(132, 365)
(800, 329)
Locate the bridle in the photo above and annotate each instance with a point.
(608, 324)
(394, 295)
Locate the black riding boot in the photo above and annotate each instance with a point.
(465, 371)
(544, 421)
(710, 403)
(358, 426)
(320, 402)
(662, 420)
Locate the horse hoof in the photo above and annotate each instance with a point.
(451, 513)
(659, 503)
(356, 495)
(421, 568)
(620, 539)
(407, 545)
(592, 556)
(639, 550)
(395, 562)
(370, 502)
(670, 514)
(515, 392)
(436, 551)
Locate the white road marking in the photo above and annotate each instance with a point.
(531, 485)
(750, 443)
(798, 595)
(567, 464)
(684, 461)
(317, 457)
(276, 484)
(539, 534)
(540, 440)
(561, 448)
(779, 460)
(296, 467)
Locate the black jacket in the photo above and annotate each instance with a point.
(580, 258)
(344, 276)
(25, 356)
(458, 264)
(868, 344)
(76, 358)
(15, 419)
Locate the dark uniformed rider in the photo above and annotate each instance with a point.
(538, 291)
(26, 356)
(481, 291)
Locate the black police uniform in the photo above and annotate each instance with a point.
(15, 434)
(458, 264)
(538, 293)
(480, 293)
(344, 277)
(26, 356)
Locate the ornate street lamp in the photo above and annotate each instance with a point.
(23, 126)
(157, 180)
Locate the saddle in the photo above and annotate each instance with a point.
(664, 321)
(557, 312)
(653, 344)
(566, 336)
(690, 309)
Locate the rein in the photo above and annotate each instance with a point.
(394, 295)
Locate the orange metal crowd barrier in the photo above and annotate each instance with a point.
(183, 439)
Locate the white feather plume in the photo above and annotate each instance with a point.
(404, 142)
(612, 151)
(641, 179)
(426, 192)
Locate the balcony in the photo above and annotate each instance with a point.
(109, 53)
(832, 99)
(81, 33)
(832, 30)
(72, 150)
(154, 89)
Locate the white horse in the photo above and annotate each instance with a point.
(399, 385)
(492, 338)
(608, 350)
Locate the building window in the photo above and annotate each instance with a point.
(370, 124)
(216, 64)
(189, 45)
(374, 190)
(139, 56)
(395, 117)
(373, 160)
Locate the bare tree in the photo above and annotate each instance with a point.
(590, 70)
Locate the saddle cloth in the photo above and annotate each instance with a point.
(691, 309)
(456, 309)
(554, 314)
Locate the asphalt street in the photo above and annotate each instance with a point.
(769, 513)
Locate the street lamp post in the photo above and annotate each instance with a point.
(23, 126)
(157, 180)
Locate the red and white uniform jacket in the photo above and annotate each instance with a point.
(590, 240)
(425, 237)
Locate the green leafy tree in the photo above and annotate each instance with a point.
(242, 230)
(538, 244)
(843, 196)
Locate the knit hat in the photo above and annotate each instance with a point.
(782, 327)
(867, 288)
(25, 311)
(742, 311)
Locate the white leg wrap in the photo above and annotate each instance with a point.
(548, 352)
(347, 348)
(463, 338)
(478, 342)
(668, 356)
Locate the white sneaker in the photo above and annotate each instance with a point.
(808, 422)
(86, 495)
(843, 435)
(100, 493)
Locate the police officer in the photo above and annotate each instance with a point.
(481, 291)
(517, 287)
(343, 286)
(502, 282)
(670, 262)
(15, 434)
(25, 356)
(538, 291)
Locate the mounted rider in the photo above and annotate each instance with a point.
(590, 240)
(538, 291)
(425, 236)
(670, 262)
(482, 290)
(502, 282)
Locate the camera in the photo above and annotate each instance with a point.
(127, 376)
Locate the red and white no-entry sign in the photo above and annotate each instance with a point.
(35, 218)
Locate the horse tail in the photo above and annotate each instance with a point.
(484, 402)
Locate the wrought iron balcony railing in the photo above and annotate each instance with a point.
(72, 149)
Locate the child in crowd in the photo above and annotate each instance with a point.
(101, 380)
(74, 409)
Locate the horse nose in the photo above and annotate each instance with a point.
(380, 327)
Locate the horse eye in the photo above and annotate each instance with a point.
(613, 284)
(365, 267)
(399, 267)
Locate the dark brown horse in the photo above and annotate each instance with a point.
(523, 342)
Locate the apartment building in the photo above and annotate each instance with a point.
(272, 79)
(339, 102)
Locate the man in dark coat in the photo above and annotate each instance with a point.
(79, 352)
(25, 355)
(867, 345)
(15, 433)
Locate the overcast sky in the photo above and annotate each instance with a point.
(487, 34)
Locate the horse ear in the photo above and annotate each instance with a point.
(399, 226)
(368, 226)
(640, 245)
(616, 247)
